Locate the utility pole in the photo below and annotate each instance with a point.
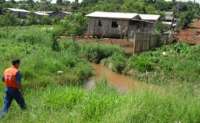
(75, 5)
(174, 14)
(76, 2)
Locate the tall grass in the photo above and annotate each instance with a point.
(39, 63)
(104, 105)
(168, 64)
(53, 97)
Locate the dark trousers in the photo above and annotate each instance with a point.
(13, 94)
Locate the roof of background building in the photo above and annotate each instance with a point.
(18, 10)
(116, 15)
(43, 13)
(149, 17)
(66, 12)
(121, 15)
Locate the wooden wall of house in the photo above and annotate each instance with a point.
(58, 14)
(18, 14)
(146, 41)
(140, 26)
(103, 27)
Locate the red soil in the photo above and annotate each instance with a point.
(190, 35)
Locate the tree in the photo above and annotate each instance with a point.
(139, 6)
(76, 24)
(31, 3)
(162, 5)
(59, 2)
(66, 3)
(186, 18)
(88, 2)
(45, 5)
(13, 1)
(8, 20)
(2, 2)
(1, 6)
(75, 5)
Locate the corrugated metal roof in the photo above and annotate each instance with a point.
(18, 10)
(66, 12)
(149, 17)
(121, 15)
(169, 23)
(43, 13)
(168, 13)
(116, 15)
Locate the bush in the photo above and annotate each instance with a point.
(117, 62)
(96, 52)
(60, 98)
(141, 63)
(8, 20)
(75, 24)
(186, 18)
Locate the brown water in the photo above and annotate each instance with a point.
(120, 82)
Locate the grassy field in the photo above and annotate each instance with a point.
(60, 98)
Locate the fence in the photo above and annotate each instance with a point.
(146, 41)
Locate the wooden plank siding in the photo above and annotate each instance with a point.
(146, 41)
(102, 27)
(106, 29)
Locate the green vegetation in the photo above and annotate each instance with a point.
(55, 70)
(65, 104)
(168, 64)
(77, 23)
(33, 46)
(173, 63)
(55, 97)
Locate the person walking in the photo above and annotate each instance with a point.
(12, 81)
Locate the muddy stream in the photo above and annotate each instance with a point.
(118, 81)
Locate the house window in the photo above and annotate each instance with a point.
(99, 23)
(114, 24)
(131, 23)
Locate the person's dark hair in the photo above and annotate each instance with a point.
(16, 61)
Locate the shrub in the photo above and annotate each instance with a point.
(142, 63)
(8, 20)
(96, 52)
(61, 98)
(117, 62)
(75, 24)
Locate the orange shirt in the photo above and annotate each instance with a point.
(10, 77)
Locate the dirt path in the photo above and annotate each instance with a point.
(190, 35)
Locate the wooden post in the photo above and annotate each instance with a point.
(73, 37)
(134, 41)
